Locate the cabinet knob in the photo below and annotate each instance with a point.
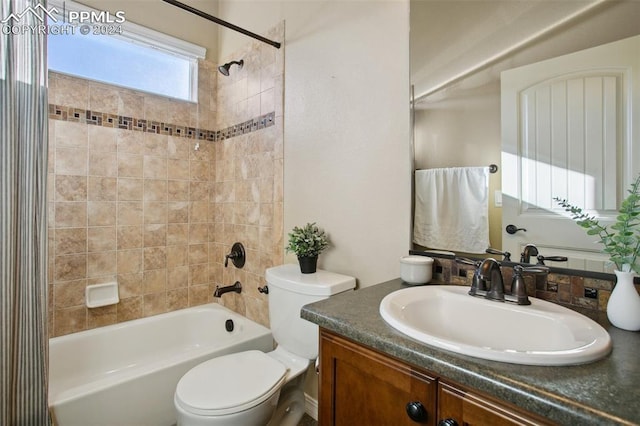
(417, 412)
(448, 422)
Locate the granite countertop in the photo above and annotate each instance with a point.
(600, 393)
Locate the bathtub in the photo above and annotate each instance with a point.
(126, 374)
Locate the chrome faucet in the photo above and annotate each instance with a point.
(528, 251)
(236, 287)
(489, 271)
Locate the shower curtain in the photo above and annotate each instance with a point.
(23, 223)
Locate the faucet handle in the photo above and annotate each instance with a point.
(541, 259)
(237, 256)
(506, 254)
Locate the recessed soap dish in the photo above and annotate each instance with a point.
(102, 295)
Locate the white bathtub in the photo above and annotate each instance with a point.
(126, 374)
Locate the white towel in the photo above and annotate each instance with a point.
(452, 209)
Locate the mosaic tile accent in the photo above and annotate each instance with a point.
(77, 115)
(586, 295)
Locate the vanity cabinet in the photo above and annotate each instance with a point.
(360, 386)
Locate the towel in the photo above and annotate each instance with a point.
(452, 209)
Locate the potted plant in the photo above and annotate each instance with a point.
(307, 243)
(621, 242)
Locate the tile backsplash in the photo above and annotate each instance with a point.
(586, 294)
(152, 192)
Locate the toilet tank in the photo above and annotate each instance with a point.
(289, 291)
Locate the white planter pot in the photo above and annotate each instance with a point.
(623, 308)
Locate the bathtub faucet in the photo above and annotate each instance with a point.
(237, 287)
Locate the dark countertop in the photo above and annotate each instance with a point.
(600, 393)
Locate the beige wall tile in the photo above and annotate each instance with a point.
(70, 188)
(154, 281)
(155, 303)
(101, 263)
(156, 145)
(130, 104)
(129, 237)
(155, 190)
(177, 234)
(103, 98)
(130, 189)
(178, 277)
(130, 309)
(178, 190)
(177, 299)
(70, 240)
(101, 239)
(102, 139)
(70, 214)
(70, 135)
(99, 317)
(130, 142)
(178, 212)
(129, 261)
(154, 167)
(70, 267)
(155, 235)
(101, 213)
(178, 169)
(129, 285)
(129, 165)
(69, 320)
(199, 295)
(178, 148)
(102, 189)
(69, 293)
(155, 212)
(71, 161)
(155, 258)
(177, 256)
(103, 164)
(130, 213)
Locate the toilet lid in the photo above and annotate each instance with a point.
(230, 383)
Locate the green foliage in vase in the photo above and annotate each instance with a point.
(307, 241)
(621, 240)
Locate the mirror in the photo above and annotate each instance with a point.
(458, 50)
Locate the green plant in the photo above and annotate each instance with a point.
(621, 240)
(307, 241)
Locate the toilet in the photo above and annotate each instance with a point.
(253, 388)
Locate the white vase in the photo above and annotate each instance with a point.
(623, 308)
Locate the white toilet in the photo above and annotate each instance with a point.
(254, 388)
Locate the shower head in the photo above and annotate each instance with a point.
(224, 69)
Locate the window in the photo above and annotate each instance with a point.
(106, 48)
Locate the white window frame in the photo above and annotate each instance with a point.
(145, 37)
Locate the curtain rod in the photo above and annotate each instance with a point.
(501, 55)
(223, 23)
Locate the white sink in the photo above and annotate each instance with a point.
(542, 333)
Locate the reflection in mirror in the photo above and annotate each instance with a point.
(458, 50)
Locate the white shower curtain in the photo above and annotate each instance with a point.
(23, 221)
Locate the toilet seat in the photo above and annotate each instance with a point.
(230, 383)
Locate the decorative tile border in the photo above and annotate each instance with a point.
(77, 115)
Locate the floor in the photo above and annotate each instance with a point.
(307, 420)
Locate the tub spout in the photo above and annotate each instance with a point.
(237, 287)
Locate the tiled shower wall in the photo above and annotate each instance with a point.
(152, 192)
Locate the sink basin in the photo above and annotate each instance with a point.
(542, 333)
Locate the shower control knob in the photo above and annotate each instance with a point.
(417, 412)
(512, 229)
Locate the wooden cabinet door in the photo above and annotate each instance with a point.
(469, 409)
(359, 386)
